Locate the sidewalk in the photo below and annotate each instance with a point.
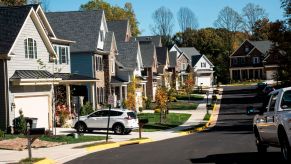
(64, 153)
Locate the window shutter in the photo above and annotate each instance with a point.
(25, 47)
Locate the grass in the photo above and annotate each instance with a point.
(246, 82)
(172, 120)
(61, 138)
(33, 160)
(206, 117)
(192, 97)
(182, 106)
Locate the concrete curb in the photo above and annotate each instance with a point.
(45, 161)
(117, 144)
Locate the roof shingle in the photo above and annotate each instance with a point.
(119, 27)
(128, 54)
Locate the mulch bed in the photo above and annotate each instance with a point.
(21, 144)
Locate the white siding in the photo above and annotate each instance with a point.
(202, 60)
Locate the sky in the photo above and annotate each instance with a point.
(206, 11)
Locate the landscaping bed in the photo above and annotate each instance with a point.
(172, 120)
(182, 106)
(192, 97)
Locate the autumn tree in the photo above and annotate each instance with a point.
(44, 4)
(186, 19)
(261, 30)
(131, 98)
(12, 2)
(114, 13)
(252, 13)
(189, 84)
(163, 24)
(161, 101)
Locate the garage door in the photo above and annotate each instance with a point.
(34, 106)
(205, 80)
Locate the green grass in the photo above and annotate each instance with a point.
(182, 106)
(33, 160)
(61, 138)
(207, 117)
(172, 120)
(192, 97)
(71, 139)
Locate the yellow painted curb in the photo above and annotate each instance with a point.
(45, 161)
(211, 117)
(123, 143)
(145, 141)
(102, 146)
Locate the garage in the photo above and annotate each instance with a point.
(34, 106)
(204, 81)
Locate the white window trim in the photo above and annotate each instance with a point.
(112, 62)
(34, 48)
(59, 57)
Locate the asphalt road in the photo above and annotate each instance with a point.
(231, 141)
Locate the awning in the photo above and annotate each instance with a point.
(74, 78)
(33, 77)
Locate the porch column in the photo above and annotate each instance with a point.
(125, 92)
(248, 71)
(120, 94)
(240, 75)
(145, 90)
(230, 74)
(93, 98)
(68, 95)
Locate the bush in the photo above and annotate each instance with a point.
(86, 109)
(1, 135)
(148, 103)
(140, 109)
(173, 99)
(157, 110)
(20, 124)
(63, 113)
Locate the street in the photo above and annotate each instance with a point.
(230, 141)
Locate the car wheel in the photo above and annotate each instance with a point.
(127, 132)
(118, 129)
(81, 127)
(260, 146)
(285, 148)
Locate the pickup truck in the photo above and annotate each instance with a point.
(272, 126)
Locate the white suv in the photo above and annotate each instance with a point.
(121, 121)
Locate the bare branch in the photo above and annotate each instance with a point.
(187, 19)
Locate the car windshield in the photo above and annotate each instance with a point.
(131, 114)
(286, 101)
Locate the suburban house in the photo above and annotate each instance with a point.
(130, 65)
(251, 60)
(201, 67)
(33, 60)
(163, 65)
(94, 53)
(156, 40)
(121, 29)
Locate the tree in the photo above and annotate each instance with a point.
(114, 13)
(186, 19)
(163, 24)
(252, 13)
(131, 98)
(189, 84)
(12, 2)
(261, 30)
(161, 100)
(286, 5)
(44, 4)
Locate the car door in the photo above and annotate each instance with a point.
(93, 120)
(269, 128)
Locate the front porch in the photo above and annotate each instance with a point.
(247, 73)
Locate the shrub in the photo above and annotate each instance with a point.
(86, 109)
(157, 110)
(148, 103)
(63, 113)
(20, 124)
(140, 109)
(1, 135)
(173, 99)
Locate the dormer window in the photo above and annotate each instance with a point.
(256, 60)
(30, 48)
(101, 35)
(247, 49)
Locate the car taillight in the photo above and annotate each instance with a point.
(128, 118)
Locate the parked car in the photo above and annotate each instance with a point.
(261, 85)
(268, 89)
(272, 127)
(122, 121)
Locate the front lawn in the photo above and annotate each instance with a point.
(172, 120)
(192, 97)
(28, 161)
(182, 106)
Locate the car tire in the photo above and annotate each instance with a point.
(81, 127)
(126, 132)
(118, 129)
(260, 146)
(285, 147)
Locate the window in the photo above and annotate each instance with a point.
(99, 63)
(101, 36)
(62, 55)
(30, 48)
(247, 49)
(203, 65)
(112, 65)
(184, 66)
(256, 60)
(115, 113)
(286, 100)
(234, 61)
(273, 102)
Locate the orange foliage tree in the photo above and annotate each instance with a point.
(131, 98)
(189, 84)
(161, 100)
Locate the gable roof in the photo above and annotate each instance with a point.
(80, 26)
(156, 40)
(31, 74)
(195, 59)
(173, 58)
(119, 27)
(11, 22)
(190, 51)
(128, 54)
(108, 41)
(162, 55)
(263, 46)
(147, 51)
